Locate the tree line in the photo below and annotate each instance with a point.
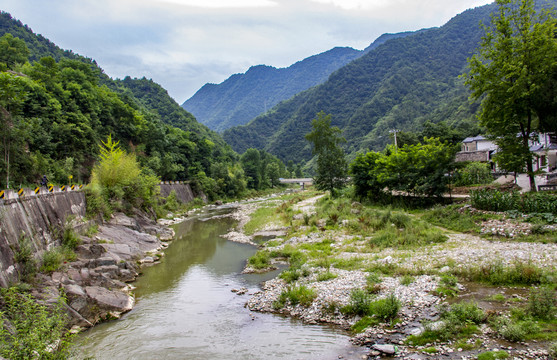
(55, 114)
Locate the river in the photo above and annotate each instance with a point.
(185, 309)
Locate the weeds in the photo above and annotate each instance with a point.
(296, 295)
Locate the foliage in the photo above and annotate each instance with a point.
(513, 62)
(296, 295)
(30, 330)
(59, 106)
(415, 169)
(495, 200)
(497, 273)
(474, 173)
(120, 180)
(331, 164)
(542, 303)
(23, 255)
(493, 355)
(401, 85)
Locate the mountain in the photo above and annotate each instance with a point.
(242, 97)
(66, 106)
(399, 84)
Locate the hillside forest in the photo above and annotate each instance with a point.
(57, 107)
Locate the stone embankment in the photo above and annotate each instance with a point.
(96, 284)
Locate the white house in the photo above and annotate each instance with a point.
(476, 148)
(544, 147)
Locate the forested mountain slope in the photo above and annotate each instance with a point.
(398, 85)
(58, 106)
(242, 97)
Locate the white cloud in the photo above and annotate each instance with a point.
(183, 44)
(222, 3)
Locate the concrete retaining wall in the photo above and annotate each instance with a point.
(35, 218)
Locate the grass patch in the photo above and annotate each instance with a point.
(295, 295)
(518, 273)
(260, 260)
(448, 286)
(327, 275)
(261, 217)
(458, 322)
(364, 323)
(493, 355)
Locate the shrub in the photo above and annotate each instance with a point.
(296, 295)
(386, 308)
(359, 303)
(117, 179)
(541, 303)
(52, 259)
(33, 328)
(474, 173)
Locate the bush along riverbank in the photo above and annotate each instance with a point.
(404, 287)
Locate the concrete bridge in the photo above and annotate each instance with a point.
(302, 181)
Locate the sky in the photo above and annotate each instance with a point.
(183, 44)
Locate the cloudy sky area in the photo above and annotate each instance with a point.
(183, 44)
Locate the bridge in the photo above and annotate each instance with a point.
(301, 181)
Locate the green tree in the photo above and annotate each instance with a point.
(251, 162)
(12, 95)
(12, 51)
(331, 163)
(273, 173)
(517, 56)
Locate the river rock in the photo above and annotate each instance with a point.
(385, 348)
(110, 300)
(121, 219)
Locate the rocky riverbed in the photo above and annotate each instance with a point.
(420, 303)
(96, 284)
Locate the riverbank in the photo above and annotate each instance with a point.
(97, 284)
(333, 269)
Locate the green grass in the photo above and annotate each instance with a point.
(260, 260)
(327, 275)
(517, 273)
(261, 217)
(296, 295)
(493, 355)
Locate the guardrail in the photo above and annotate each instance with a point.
(9, 194)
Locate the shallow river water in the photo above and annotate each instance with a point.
(185, 309)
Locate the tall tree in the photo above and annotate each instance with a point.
(12, 51)
(517, 55)
(331, 163)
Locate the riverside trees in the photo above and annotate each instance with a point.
(415, 169)
(331, 164)
(511, 73)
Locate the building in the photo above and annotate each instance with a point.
(477, 148)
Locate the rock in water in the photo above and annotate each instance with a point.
(385, 348)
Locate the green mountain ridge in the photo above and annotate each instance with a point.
(242, 97)
(400, 84)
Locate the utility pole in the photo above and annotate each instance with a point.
(394, 131)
